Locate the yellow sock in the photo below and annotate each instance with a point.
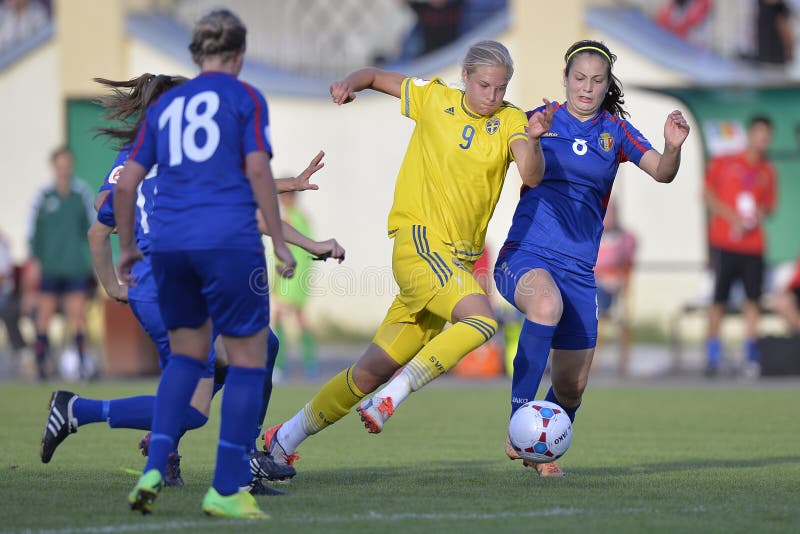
(440, 355)
(336, 398)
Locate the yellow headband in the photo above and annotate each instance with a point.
(583, 48)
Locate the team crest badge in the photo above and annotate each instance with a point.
(606, 141)
(492, 124)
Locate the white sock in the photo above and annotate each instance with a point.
(291, 434)
(398, 389)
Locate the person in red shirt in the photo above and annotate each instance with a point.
(740, 191)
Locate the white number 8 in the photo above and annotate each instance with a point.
(180, 144)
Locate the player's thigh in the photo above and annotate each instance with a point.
(524, 279)
(569, 370)
(726, 271)
(180, 290)
(753, 276)
(236, 291)
(403, 333)
(148, 314)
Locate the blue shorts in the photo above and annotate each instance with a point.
(228, 286)
(148, 314)
(577, 328)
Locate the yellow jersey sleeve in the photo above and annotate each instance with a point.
(516, 124)
(414, 92)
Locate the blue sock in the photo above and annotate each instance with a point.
(131, 412)
(272, 355)
(178, 382)
(751, 350)
(194, 419)
(89, 411)
(714, 352)
(239, 414)
(533, 350)
(551, 397)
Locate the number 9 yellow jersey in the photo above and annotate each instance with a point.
(455, 164)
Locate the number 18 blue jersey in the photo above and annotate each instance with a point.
(199, 134)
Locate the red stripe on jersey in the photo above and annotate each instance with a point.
(625, 129)
(259, 138)
(607, 198)
(103, 203)
(139, 138)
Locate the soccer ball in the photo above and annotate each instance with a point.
(540, 431)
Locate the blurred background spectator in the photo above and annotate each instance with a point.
(61, 216)
(787, 302)
(688, 19)
(290, 296)
(740, 192)
(613, 275)
(19, 19)
(774, 35)
(10, 285)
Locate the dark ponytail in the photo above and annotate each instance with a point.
(129, 99)
(613, 100)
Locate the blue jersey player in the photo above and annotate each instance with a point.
(545, 268)
(129, 99)
(210, 139)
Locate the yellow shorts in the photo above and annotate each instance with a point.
(431, 281)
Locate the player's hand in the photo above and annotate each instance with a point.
(540, 121)
(302, 180)
(127, 257)
(342, 92)
(322, 250)
(286, 262)
(676, 129)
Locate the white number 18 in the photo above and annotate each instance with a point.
(181, 143)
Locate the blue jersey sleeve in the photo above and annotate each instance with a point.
(105, 214)
(116, 169)
(145, 147)
(632, 144)
(256, 127)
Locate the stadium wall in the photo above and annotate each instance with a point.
(365, 143)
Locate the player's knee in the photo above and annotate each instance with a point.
(545, 309)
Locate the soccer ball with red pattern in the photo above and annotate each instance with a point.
(540, 431)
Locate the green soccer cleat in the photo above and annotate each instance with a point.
(143, 496)
(240, 505)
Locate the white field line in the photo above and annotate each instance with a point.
(372, 517)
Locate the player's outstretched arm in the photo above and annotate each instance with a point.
(664, 167)
(330, 248)
(100, 247)
(344, 91)
(301, 182)
(259, 173)
(528, 153)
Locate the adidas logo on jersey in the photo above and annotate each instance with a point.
(451, 110)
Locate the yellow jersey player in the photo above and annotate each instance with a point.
(445, 194)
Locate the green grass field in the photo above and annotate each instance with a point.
(642, 460)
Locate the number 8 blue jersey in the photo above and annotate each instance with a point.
(199, 134)
(564, 213)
